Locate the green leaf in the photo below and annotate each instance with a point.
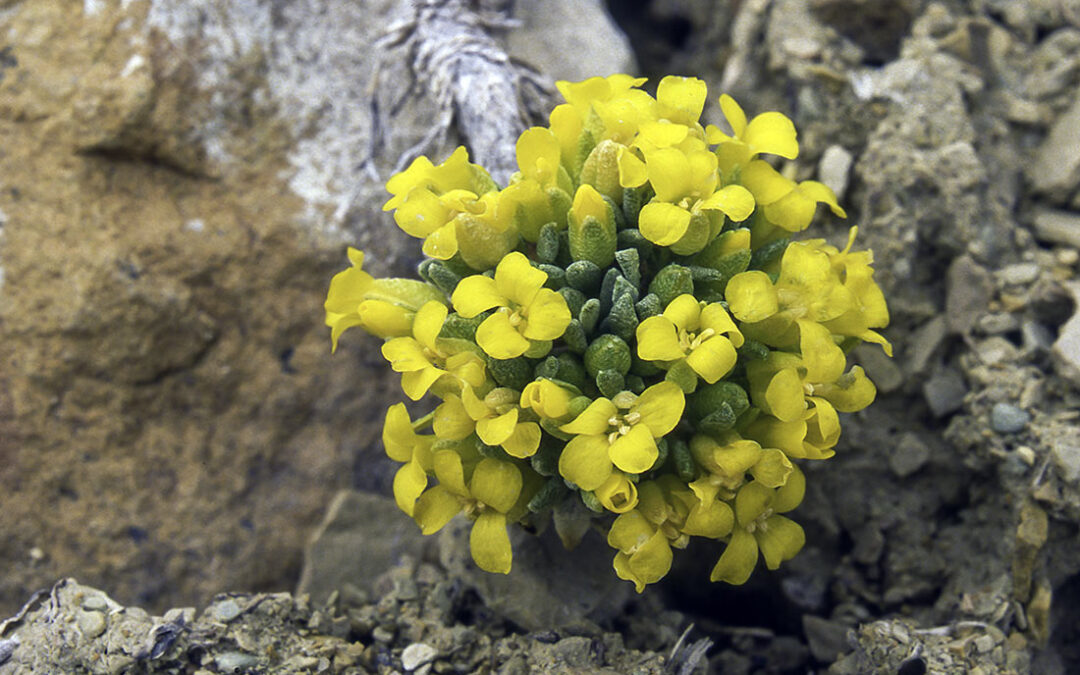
(574, 337)
(439, 275)
(622, 319)
(607, 352)
(768, 254)
(584, 275)
(513, 373)
(547, 246)
(556, 276)
(671, 282)
(550, 494)
(648, 306)
(590, 314)
(630, 263)
(683, 461)
(610, 382)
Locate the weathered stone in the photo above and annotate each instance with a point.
(834, 169)
(361, 537)
(968, 289)
(944, 392)
(1006, 418)
(910, 454)
(1055, 170)
(923, 344)
(1058, 227)
(416, 655)
(1066, 349)
(827, 639)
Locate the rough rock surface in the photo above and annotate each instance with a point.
(179, 181)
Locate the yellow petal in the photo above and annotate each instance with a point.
(630, 531)
(588, 202)
(418, 382)
(822, 357)
(685, 312)
(496, 483)
(734, 201)
(623, 571)
(524, 442)
(785, 396)
(712, 520)
(658, 340)
(734, 114)
(450, 472)
(751, 296)
(663, 224)
(661, 134)
(850, 393)
(546, 399)
(547, 316)
(517, 280)
(537, 148)
(428, 323)
(780, 540)
(681, 99)
(734, 459)
(822, 193)
(765, 182)
(772, 132)
(652, 561)
(773, 433)
(791, 493)
(490, 543)
(385, 319)
(435, 508)
(751, 501)
(669, 174)
(715, 317)
(339, 323)
(618, 494)
(636, 451)
(651, 502)
(593, 420)
(713, 358)
(421, 213)
(793, 212)
(409, 483)
(661, 407)
(773, 469)
(442, 243)
(499, 339)
(632, 171)
(476, 294)
(451, 421)
(738, 559)
(823, 426)
(496, 430)
(585, 462)
(398, 436)
(405, 355)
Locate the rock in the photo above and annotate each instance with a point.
(362, 536)
(924, 342)
(910, 455)
(1058, 227)
(579, 40)
(548, 586)
(996, 350)
(827, 639)
(1055, 170)
(881, 369)
(834, 169)
(1066, 349)
(944, 392)
(1066, 455)
(416, 655)
(1006, 418)
(1018, 274)
(968, 289)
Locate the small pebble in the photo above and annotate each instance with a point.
(910, 455)
(416, 655)
(1067, 458)
(1019, 274)
(226, 610)
(834, 169)
(1006, 418)
(233, 662)
(944, 392)
(382, 634)
(984, 643)
(92, 624)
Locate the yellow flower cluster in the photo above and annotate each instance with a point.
(622, 336)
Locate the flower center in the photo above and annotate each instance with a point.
(690, 341)
(516, 316)
(759, 524)
(621, 425)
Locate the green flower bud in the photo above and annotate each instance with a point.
(590, 315)
(457, 326)
(630, 263)
(683, 460)
(610, 382)
(584, 276)
(632, 201)
(556, 276)
(622, 319)
(671, 282)
(512, 373)
(592, 227)
(601, 170)
(607, 352)
(711, 397)
(547, 245)
(648, 306)
(574, 337)
(480, 244)
(575, 299)
(438, 274)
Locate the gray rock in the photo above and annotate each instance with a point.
(968, 290)
(925, 341)
(827, 639)
(996, 350)
(881, 369)
(235, 662)
(361, 537)
(1066, 349)
(910, 455)
(226, 610)
(944, 392)
(1058, 227)
(834, 169)
(1067, 459)
(548, 586)
(416, 655)
(91, 624)
(1055, 170)
(1006, 418)
(570, 39)
(1018, 274)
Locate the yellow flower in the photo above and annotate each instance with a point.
(644, 555)
(728, 462)
(495, 419)
(547, 399)
(527, 312)
(758, 527)
(620, 433)
(421, 359)
(403, 444)
(770, 132)
(614, 100)
(427, 199)
(382, 307)
(868, 309)
(685, 182)
(618, 493)
(784, 202)
(702, 335)
(490, 491)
